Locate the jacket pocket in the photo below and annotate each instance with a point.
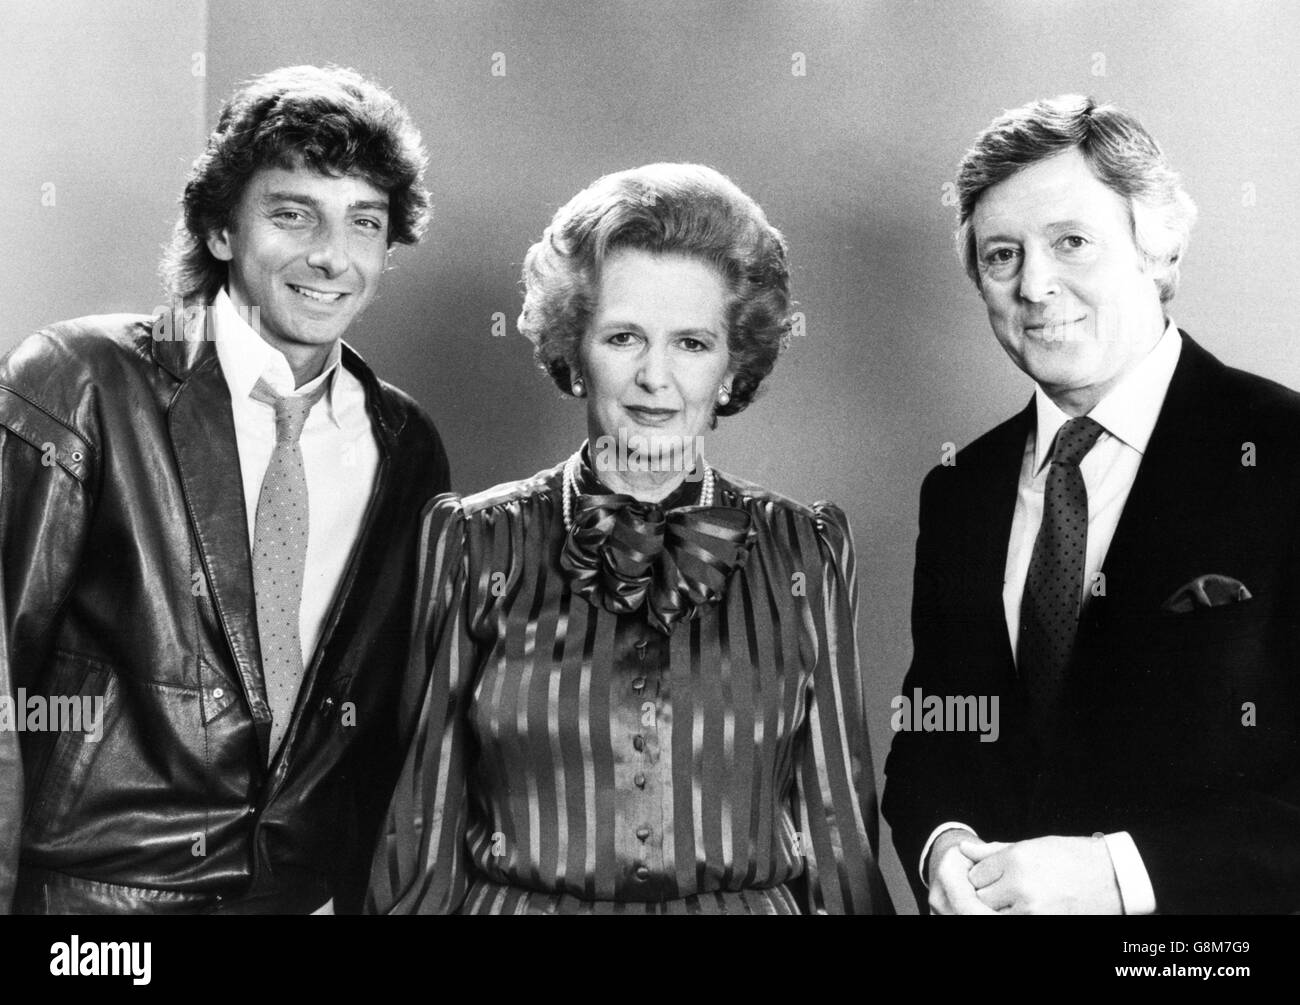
(217, 694)
(1193, 632)
(144, 759)
(79, 707)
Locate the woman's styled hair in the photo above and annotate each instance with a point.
(1120, 152)
(330, 120)
(681, 208)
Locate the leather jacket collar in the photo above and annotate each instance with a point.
(195, 355)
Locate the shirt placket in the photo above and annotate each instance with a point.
(644, 698)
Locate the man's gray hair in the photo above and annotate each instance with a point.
(1120, 152)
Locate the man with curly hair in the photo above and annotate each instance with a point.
(207, 522)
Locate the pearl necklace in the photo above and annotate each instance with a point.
(569, 490)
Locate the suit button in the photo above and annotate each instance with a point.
(642, 833)
(642, 873)
(638, 683)
(638, 741)
(639, 780)
(217, 692)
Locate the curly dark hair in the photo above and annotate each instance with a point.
(329, 119)
(684, 208)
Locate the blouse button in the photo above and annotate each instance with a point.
(643, 872)
(638, 741)
(639, 780)
(642, 832)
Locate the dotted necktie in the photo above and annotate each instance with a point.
(1049, 609)
(280, 555)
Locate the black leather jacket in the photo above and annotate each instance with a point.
(126, 577)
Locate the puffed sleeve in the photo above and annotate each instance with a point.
(835, 785)
(420, 865)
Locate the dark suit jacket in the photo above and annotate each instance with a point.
(127, 579)
(1183, 729)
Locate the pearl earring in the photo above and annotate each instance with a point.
(724, 395)
(578, 389)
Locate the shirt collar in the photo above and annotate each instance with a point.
(246, 357)
(1129, 411)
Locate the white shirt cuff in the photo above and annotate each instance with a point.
(1130, 874)
(934, 834)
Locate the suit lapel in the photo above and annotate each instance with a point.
(997, 492)
(202, 430)
(1148, 540)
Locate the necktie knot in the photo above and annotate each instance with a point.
(1075, 439)
(290, 410)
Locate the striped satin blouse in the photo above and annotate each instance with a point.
(573, 759)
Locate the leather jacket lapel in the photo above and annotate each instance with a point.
(203, 438)
(385, 426)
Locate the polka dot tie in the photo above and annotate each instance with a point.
(280, 555)
(1049, 609)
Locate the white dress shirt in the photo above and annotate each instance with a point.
(1127, 414)
(339, 455)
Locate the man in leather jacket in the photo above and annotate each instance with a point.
(163, 748)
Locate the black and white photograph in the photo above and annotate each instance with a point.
(607, 458)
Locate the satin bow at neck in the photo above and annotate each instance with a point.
(623, 554)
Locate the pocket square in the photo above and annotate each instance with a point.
(1210, 590)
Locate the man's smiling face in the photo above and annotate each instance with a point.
(1068, 293)
(307, 250)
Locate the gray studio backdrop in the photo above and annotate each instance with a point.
(843, 119)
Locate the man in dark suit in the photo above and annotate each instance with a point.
(1119, 565)
(208, 526)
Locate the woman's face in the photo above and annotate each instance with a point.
(655, 353)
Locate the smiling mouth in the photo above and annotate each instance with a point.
(1052, 330)
(318, 296)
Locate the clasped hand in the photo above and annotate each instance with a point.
(1046, 875)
